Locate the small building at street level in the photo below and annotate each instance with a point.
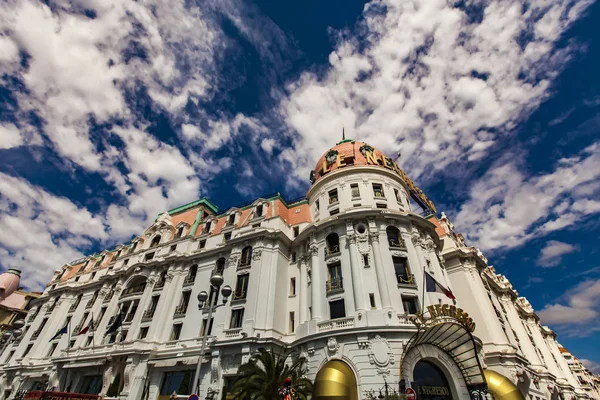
(362, 276)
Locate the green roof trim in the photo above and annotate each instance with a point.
(345, 141)
(203, 201)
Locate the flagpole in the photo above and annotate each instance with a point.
(423, 298)
(93, 332)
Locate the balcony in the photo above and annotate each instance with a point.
(180, 311)
(73, 307)
(189, 280)
(240, 295)
(334, 285)
(397, 243)
(339, 323)
(148, 314)
(233, 332)
(405, 280)
(159, 285)
(332, 250)
(379, 193)
(134, 290)
(108, 297)
(90, 303)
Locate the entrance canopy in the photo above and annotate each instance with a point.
(450, 329)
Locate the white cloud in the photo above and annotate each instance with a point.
(506, 208)
(593, 366)
(429, 80)
(40, 232)
(9, 135)
(551, 254)
(579, 305)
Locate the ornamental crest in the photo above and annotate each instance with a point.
(365, 148)
(331, 157)
(380, 354)
(332, 346)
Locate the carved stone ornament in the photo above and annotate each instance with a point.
(380, 354)
(169, 276)
(332, 346)
(333, 260)
(233, 260)
(351, 237)
(374, 237)
(214, 370)
(399, 253)
(313, 250)
(231, 361)
(256, 254)
(127, 375)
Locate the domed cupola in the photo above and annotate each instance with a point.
(355, 174)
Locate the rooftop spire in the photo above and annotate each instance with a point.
(344, 140)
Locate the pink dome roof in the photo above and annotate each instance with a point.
(9, 282)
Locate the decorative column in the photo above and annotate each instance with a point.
(515, 322)
(357, 283)
(380, 271)
(303, 304)
(317, 284)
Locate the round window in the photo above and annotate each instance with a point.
(360, 228)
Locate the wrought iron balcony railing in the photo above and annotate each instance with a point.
(334, 285)
(397, 242)
(333, 249)
(406, 279)
(148, 314)
(180, 311)
(189, 280)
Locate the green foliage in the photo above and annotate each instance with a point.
(262, 376)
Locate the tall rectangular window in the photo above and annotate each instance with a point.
(179, 382)
(209, 326)
(378, 190)
(292, 286)
(333, 196)
(179, 232)
(292, 322)
(335, 276)
(355, 190)
(372, 300)
(237, 318)
(337, 309)
(202, 244)
(176, 332)
(397, 194)
(27, 349)
(410, 305)
(241, 287)
(52, 348)
(259, 210)
(185, 299)
(10, 355)
(403, 274)
(296, 231)
(143, 332)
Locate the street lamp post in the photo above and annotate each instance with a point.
(12, 333)
(216, 280)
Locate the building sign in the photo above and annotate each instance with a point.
(340, 161)
(433, 390)
(440, 312)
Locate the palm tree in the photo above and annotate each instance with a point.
(262, 376)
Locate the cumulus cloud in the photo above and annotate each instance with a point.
(506, 207)
(9, 136)
(40, 232)
(437, 80)
(551, 254)
(579, 305)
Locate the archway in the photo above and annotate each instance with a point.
(430, 382)
(335, 381)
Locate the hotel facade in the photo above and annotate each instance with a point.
(339, 277)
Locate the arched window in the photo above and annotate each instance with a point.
(259, 210)
(332, 242)
(220, 267)
(393, 236)
(191, 276)
(155, 241)
(206, 228)
(246, 256)
(136, 286)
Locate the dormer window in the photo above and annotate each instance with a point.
(155, 241)
(179, 232)
(207, 227)
(259, 210)
(231, 219)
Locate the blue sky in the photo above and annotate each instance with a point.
(112, 111)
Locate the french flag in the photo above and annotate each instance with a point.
(431, 285)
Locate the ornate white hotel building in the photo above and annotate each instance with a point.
(338, 277)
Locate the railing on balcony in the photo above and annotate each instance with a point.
(331, 250)
(233, 332)
(78, 328)
(90, 303)
(50, 308)
(378, 193)
(159, 284)
(35, 335)
(108, 297)
(73, 307)
(241, 295)
(148, 314)
(245, 262)
(189, 280)
(334, 285)
(397, 242)
(137, 289)
(339, 323)
(333, 199)
(406, 279)
(180, 311)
